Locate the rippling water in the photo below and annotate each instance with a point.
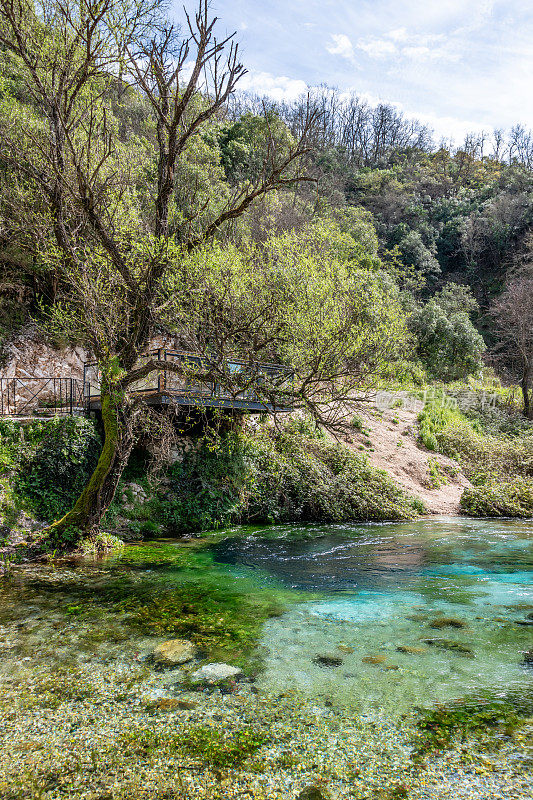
(381, 615)
(455, 595)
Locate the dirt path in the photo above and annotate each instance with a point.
(389, 439)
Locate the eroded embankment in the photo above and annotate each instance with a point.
(389, 439)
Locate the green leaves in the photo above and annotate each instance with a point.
(54, 472)
(511, 498)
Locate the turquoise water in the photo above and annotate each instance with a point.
(379, 616)
(458, 592)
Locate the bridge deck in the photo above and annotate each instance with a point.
(48, 396)
(155, 398)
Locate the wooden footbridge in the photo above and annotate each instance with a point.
(265, 390)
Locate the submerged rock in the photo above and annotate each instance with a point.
(328, 660)
(373, 659)
(407, 648)
(174, 652)
(447, 622)
(213, 673)
(528, 659)
(163, 704)
(311, 793)
(447, 644)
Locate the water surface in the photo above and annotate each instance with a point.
(455, 593)
(378, 616)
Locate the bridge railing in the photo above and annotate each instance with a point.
(25, 397)
(238, 380)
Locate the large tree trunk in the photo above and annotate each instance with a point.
(85, 517)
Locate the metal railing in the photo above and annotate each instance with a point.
(267, 384)
(238, 380)
(24, 397)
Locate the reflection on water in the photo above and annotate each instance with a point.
(329, 563)
(420, 611)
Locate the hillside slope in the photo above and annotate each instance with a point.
(389, 438)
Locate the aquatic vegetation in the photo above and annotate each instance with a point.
(447, 622)
(224, 624)
(211, 746)
(454, 647)
(375, 660)
(485, 715)
(50, 690)
(328, 660)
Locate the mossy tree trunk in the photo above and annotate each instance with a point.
(85, 516)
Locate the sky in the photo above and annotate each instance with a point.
(457, 65)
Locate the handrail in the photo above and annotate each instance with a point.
(41, 395)
(67, 395)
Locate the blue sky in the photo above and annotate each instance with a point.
(458, 65)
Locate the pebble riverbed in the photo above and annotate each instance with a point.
(67, 733)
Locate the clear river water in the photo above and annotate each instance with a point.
(380, 616)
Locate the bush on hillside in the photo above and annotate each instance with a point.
(447, 430)
(284, 476)
(511, 499)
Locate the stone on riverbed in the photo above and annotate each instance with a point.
(213, 673)
(311, 793)
(328, 660)
(454, 647)
(375, 660)
(447, 622)
(407, 648)
(174, 652)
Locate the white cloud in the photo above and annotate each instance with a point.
(377, 48)
(398, 35)
(278, 87)
(341, 46)
(399, 43)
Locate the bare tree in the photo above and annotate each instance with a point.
(513, 316)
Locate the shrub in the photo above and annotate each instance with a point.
(55, 470)
(296, 474)
(511, 499)
(447, 430)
